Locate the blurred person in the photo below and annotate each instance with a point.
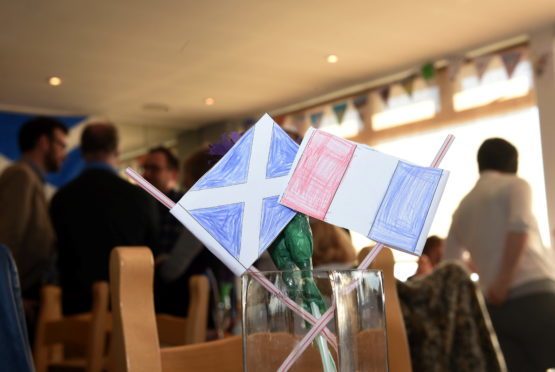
(94, 213)
(432, 254)
(495, 224)
(332, 246)
(161, 168)
(25, 226)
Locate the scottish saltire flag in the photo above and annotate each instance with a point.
(233, 209)
(9, 149)
(389, 200)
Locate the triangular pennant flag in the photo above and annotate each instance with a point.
(510, 61)
(224, 223)
(282, 154)
(428, 71)
(384, 93)
(315, 119)
(481, 64)
(540, 62)
(454, 65)
(231, 170)
(298, 120)
(339, 111)
(360, 103)
(274, 216)
(408, 84)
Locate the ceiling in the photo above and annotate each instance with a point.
(118, 58)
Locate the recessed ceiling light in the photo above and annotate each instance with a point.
(332, 58)
(209, 101)
(54, 81)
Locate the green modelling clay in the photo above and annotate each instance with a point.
(292, 250)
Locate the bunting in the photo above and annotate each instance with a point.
(316, 118)
(339, 111)
(299, 120)
(408, 84)
(481, 63)
(360, 103)
(510, 61)
(454, 65)
(428, 71)
(384, 93)
(540, 61)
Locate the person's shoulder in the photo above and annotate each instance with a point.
(517, 185)
(19, 169)
(19, 173)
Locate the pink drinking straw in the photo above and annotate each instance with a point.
(158, 195)
(328, 315)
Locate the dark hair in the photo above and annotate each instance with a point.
(171, 159)
(431, 243)
(99, 138)
(35, 128)
(198, 163)
(498, 154)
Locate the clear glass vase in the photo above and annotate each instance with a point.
(271, 330)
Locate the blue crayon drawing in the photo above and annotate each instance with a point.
(232, 169)
(224, 223)
(282, 153)
(404, 209)
(274, 218)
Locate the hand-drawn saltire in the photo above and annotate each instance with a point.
(233, 209)
(389, 200)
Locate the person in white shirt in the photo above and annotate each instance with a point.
(495, 225)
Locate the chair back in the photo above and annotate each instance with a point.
(135, 343)
(174, 330)
(15, 352)
(86, 331)
(397, 341)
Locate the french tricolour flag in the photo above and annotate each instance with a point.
(389, 200)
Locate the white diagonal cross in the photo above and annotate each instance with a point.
(251, 193)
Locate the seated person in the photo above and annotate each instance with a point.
(431, 256)
(332, 246)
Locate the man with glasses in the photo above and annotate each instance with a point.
(25, 227)
(161, 168)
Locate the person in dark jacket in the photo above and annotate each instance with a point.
(95, 213)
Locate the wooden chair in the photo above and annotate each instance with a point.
(173, 330)
(85, 331)
(397, 341)
(135, 342)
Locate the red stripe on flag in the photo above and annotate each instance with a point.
(318, 174)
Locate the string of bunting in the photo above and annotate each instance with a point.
(427, 72)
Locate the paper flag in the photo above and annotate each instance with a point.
(316, 118)
(339, 111)
(233, 209)
(408, 84)
(389, 200)
(481, 64)
(360, 103)
(454, 65)
(510, 61)
(384, 94)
